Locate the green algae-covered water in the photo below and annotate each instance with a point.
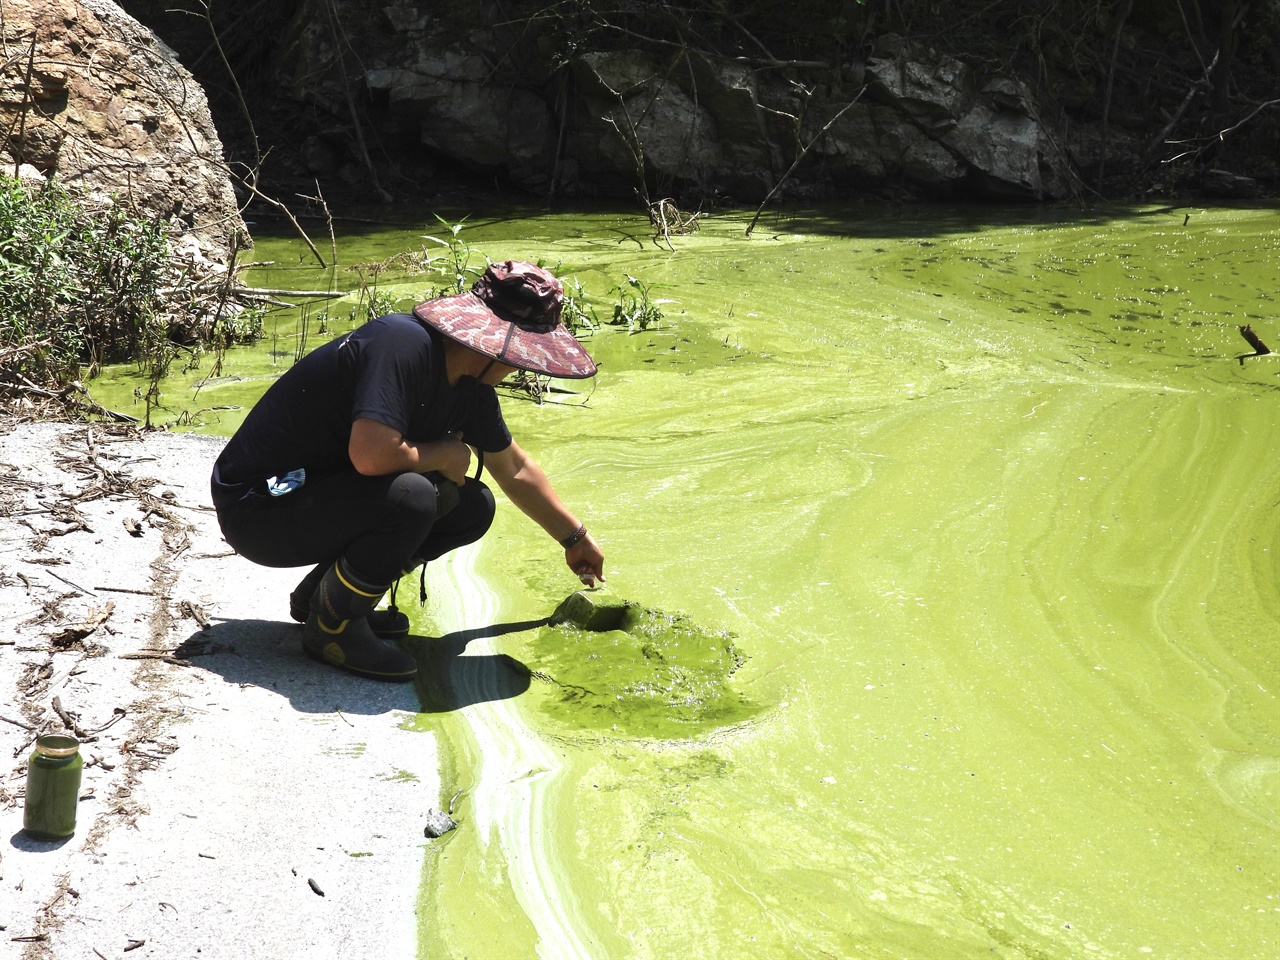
(971, 523)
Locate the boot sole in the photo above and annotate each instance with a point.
(357, 671)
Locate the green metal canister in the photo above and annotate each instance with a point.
(53, 787)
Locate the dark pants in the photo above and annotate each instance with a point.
(383, 526)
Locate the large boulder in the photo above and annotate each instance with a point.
(109, 109)
(985, 133)
(925, 123)
(933, 90)
(634, 114)
(444, 96)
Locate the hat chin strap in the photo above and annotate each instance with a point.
(511, 329)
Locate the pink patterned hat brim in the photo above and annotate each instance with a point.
(540, 344)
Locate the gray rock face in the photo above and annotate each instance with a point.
(498, 89)
(988, 135)
(1224, 185)
(111, 110)
(924, 123)
(460, 116)
(642, 113)
(935, 92)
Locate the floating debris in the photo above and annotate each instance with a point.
(1254, 341)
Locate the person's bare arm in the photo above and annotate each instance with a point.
(376, 449)
(525, 483)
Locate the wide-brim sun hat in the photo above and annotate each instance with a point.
(512, 315)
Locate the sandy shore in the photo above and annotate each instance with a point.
(239, 800)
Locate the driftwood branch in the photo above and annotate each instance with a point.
(19, 350)
(273, 292)
(64, 395)
(77, 632)
(339, 41)
(762, 62)
(1205, 80)
(155, 655)
(70, 722)
(1254, 341)
(803, 153)
(26, 106)
(252, 188)
(235, 82)
(1247, 117)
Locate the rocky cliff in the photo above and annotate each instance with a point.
(484, 92)
(701, 99)
(89, 95)
(383, 97)
(970, 100)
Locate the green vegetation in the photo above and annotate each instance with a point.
(456, 271)
(458, 253)
(85, 282)
(75, 287)
(635, 309)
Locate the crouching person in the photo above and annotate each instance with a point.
(356, 460)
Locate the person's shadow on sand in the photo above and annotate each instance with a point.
(447, 680)
(268, 654)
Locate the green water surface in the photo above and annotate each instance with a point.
(990, 509)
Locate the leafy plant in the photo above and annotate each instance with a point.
(370, 302)
(456, 268)
(88, 286)
(86, 282)
(576, 313)
(635, 308)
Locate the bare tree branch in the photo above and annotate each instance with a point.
(803, 153)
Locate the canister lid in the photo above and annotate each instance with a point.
(57, 745)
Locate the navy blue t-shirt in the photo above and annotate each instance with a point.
(392, 370)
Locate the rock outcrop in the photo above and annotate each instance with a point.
(503, 92)
(90, 96)
(985, 131)
(924, 124)
(602, 100)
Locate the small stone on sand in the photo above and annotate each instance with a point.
(438, 824)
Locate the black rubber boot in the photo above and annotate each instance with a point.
(338, 632)
(390, 624)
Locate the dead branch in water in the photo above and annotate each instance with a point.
(72, 396)
(666, 216)
(1254, 341)
(803, 153)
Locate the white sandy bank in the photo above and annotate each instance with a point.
(248, 802)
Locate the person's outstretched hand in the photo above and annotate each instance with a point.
(586, 559)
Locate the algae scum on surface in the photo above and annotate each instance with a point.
(616, 666)
(990, 500)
